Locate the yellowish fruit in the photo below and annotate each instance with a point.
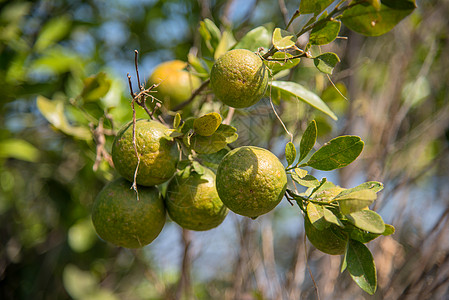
(175, 84)
(158, 155)
(331, 240)
(239, 78)
(251, 181)
(192, 201)
(121, 219)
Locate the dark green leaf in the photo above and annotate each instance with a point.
(207, 144)
(367, 220)
(289, 89)
(355, 201)
(212, 160)
(308, 140)
(326, 62)
(361, 267)
(290, 153)
(254, 39)
(366, 19)
(362, 236)
(313, 6)
(283, 39)
(324, 33)
(337, 153)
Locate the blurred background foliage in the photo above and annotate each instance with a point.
(57, 57)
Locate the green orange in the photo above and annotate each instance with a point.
(158, 154)
(175, 84)
(251, 181)
(123, 220)
(192, 201)
(239, 78)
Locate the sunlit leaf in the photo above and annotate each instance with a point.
(330, 217)
(226, 42)
(307, 180)
(282, 62)
(290, 153)
(316, 216)
(308, 140)
(283, 39)
(367, 220)
(324, 33)
(361, 267)
(207, 124)
(355, 201)
(254, 39)
(389, 230)
(337, 153)
(18, 149)
(289, 89)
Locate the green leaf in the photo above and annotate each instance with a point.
(307, 180)
(330, 217)
(324, 33)
(228, 132)
(53, 111)
(290, 153)
(177, 120)
(316, 216)
(289, 89)
(389, 230)
(18, 149)
(95, 87)
(367, 220)
(285, 63)
(326, 62)
(224, 135)
(362, 236)
(375, 186)
(355, 201)
(197, 167)
(313, 6)
(367, 20)
(226, 42)
(301, 172)
(337, 153)
(283, 39)
(254, 39)
(206, 125)
(53, 31)
(361, 267)
(199, 67)
(210, 33)
(308, 140)
(212, 160)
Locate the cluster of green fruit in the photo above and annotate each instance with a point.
(249, 181)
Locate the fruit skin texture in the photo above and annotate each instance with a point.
(239, 78)
(251, 181)
(158, 155)
(175, 84)
(331, 240)
(121, 219)
(192, 201)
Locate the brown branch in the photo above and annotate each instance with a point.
(185, 285)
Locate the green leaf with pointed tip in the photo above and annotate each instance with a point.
(375, 186)
(228, 132)
(96, 87)
(210, 33)
(53, 111)
(316, 216)
(326, 62)
(283, 39)
(207, 124)
(307, 180)
(254, 39)
(367, 220)
(361, 235)
(226, 42)
(282, 62)
(313, 6)
(18, 149)
(355, 201)
(337, 153)
(290, 153)
(367, 20)
(361, 267)
(200, 68)
(330, 217)
(389, 230)
(177, 120)
(308, 140)
(289, 89)
(324, 33)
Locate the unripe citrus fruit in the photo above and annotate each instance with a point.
(331, 240)
(158, 155)
(239, 78)
(175, 84)
(121, 219)
(251, 181)
(192, 201)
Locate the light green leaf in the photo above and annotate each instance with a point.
(367, 220)
(337, 153)
(307, 180)
(324, 33)
(289, 89)
(207, 144)
(226, 42)
(199, 169)
(53, 111)
(330, 217)
(313, 6)
(355, 201)
(285, 63)
(283, 39)
(254, 39)
(81, 236)
(301, 172)
(210, 33)
(367, 20)
(316, 216)
(177, 120)
(229, 132)
(290, 153)
(53, 31)
(18, 149)
(389, 230)
(361, 267)
(95, 87)
(207, 124)
(326, 62)
(375, 186)
(200, 69)
(308, 140)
